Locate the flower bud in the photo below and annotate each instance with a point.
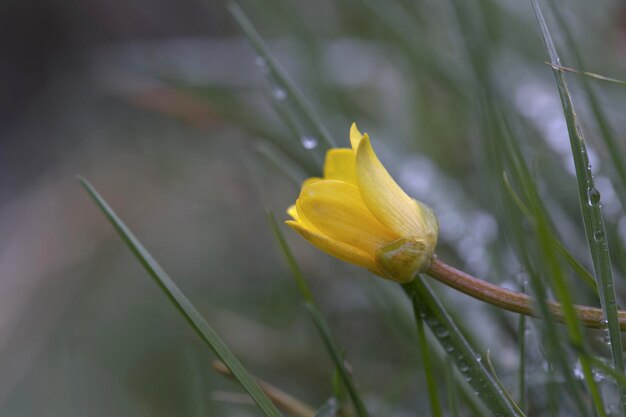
(360, 215)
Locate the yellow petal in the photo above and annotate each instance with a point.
(335, 248)
(335, 208)
(383, 197)
(293, 212)
(340, 165)
(355, 137)
(310, 181)
(302, 217)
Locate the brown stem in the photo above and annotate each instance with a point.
(289, 404)
(510, 300)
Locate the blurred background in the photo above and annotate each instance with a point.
(166, 108)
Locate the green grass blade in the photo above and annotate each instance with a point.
(337, 357)
(544, 254)
(279, 74)
(428, 306)
(590, 205)
(589, 74)
(281, 162)
(296, 272)
(611, 142)
(319, 322)
(382, 295)
(502, 387)
(580, 270)
(453, 396)
(184, 306)
(431, 382)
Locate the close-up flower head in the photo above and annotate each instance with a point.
(359, 214)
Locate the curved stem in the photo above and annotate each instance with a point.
(510, 300)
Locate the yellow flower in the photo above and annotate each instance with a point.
(359, 214)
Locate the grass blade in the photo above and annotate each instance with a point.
(506, 393)
(428, 307)
(590, 205)
(298, 276)
(319, 322)
(589, 74)
(615, 151)
(544, 253)
(431, 383)
(184, 306)
(453, 400)
(337, 357)
(580, 270)
(279, 75)
(290, 404)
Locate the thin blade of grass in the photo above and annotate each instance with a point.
(429, 308)
(615, 151)
(396, 318)
(337, 357)
(495, 376)
(588, 74)
(281, 162)
(279, 74)
(290, 404)
(183, 305)
(545, 255)
(580, 270)
(319, 322)
(453, 396)
(590, 206)
(431, 382)
(296, 272)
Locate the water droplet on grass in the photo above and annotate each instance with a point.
(279, 94)
(309, 142)
(593, 196)
(261, 63)
(441, 332)
(598, 234)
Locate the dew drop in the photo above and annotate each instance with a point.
(593, 196)
(279, 94)
(261, 63)
(449, 348)
(468, 378)
(431, 321)
(478, 357)
(598, 377)
(309, 142)
(463, 367)
(578, 371)
(441, 332)
(598, 234)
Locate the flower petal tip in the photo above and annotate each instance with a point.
(355, 136)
